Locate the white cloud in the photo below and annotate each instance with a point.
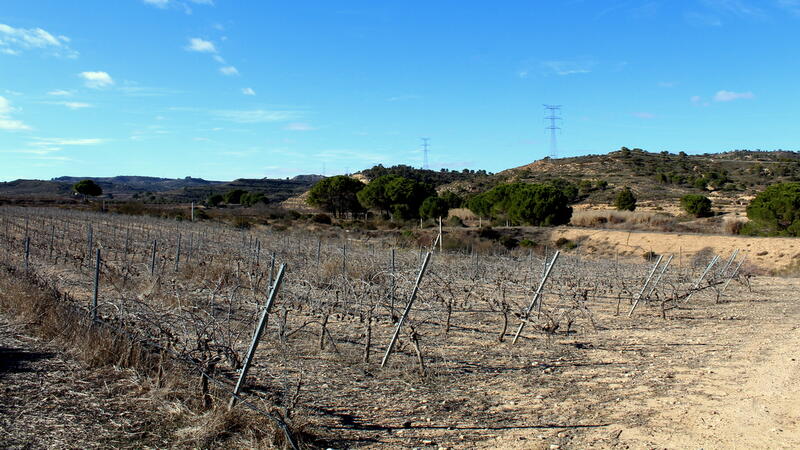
(644, 115)
(13, 41)
(729, 96)
(201, 45)
(299, 126)
(97, 80)
(76, 105)
(256, 115)
(60, 93)
(53, 142)
(219, 59)
(248, 91)
(229, 70)
(7, 123)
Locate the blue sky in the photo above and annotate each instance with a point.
(224, 89)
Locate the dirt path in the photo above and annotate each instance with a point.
(752, 401)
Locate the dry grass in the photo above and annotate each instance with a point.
(627, 220)
(167, 393)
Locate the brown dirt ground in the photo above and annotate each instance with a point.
(50, 400)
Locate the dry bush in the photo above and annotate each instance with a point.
(166, 390)
(734, 226)
(230, 428)
(632, 220)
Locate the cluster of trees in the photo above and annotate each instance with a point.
(392, 195)
(522, 203)
(775, 211)
(238, 197)
(431, 177)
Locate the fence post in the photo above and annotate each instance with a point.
(96, 286)
(392, 286)
(536, 301)
(27, 251)
(257, 336)
(658, 278)
(646, 282)
(441, 237)
(733, 274)
(700, 280)
(153, 258)
(407, 310)
(50, 245)
(178, 254)
(730, 261)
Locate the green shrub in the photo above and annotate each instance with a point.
(215, 199)
(455, 221)
(488, 233)
(625, 200)
(509, 242)
(527, 243)
(776, 211)
(696, 205)
(234, 197)
(565, 243)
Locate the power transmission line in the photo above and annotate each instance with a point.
(553, 114)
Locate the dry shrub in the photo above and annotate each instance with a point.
(734, 226)
(629, 220)
(169, 391)
(231, 428)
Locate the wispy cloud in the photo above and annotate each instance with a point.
(229, 71)
(567, 67)
(299, 126)
(60, 93)
(13, 41)
(729, 96)
(76, 105)
(792, 6)
(248, 91)
(667, 84)
(403, 98)
(201, 45)
(165, 4)
(63, 142)
(7, 123)
(97, 80)
(256, 115)
(644, 115)
(736, 7)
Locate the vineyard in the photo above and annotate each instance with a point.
(373, 342)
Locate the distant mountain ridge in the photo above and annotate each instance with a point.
(166, 189)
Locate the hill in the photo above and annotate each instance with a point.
(161, 190)
(729, 177)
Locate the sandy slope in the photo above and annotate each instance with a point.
(766, 253)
